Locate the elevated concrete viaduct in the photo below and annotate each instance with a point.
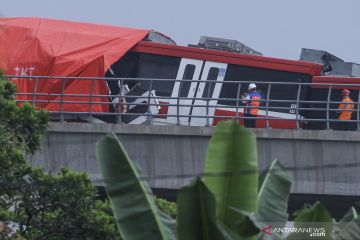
(322, 162)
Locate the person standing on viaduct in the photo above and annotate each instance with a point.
(345, 110)
(252, 102)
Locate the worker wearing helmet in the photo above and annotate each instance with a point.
(345, 110)
(252, 102)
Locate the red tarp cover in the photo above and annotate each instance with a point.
(44, 47)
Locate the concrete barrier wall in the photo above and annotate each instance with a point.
(322, 162)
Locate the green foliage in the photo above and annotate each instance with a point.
(61, 207)
(21, 128)
(231, 171)
(36, 204)
(196, 214)
(315, 213)
(348, 227)
(166, 207)
(131, 198)
(196, 205)
(274, 194)
(216, 208)
(273, 199)
(315, 216)
(25, 123)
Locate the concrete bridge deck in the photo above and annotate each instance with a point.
(322, 162)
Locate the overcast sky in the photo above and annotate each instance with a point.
(277, 28)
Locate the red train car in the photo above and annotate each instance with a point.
(207, 88)
(223, 70)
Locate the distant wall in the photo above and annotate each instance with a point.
(169, 155)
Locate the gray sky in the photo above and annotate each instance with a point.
(277, 28)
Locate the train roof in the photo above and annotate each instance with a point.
(229, 57)
(65, 48)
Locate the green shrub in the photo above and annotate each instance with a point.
(166, 207)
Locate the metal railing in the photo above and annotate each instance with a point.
(161, 101)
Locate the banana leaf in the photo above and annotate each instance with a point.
(196, 218)
(273, 196)
(350, 231)
(133, 204)
(247, 224)
(348, 219)
(315, 217)
(349, 216)
(227, 233)
(231, 171)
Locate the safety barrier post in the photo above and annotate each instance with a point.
(237, 102)
(121, 101)
(267, 105)
(358, 112)
(328, 109)
(35, 91)
(148, 121)
(207, 105)
(91, 99)
(297, 106)
(177, 104)
(61, 100)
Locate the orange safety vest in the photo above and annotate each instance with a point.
(347, 104)
(254, 102)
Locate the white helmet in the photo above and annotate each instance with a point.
(251, 86)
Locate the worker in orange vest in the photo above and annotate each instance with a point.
(345, 110)
(252, 101)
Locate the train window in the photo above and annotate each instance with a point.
(277, 92)
(209, 86)
(188, 75)
(230, 90)
(158, 67)
(125, 67)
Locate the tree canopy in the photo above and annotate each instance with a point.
(39, 205)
